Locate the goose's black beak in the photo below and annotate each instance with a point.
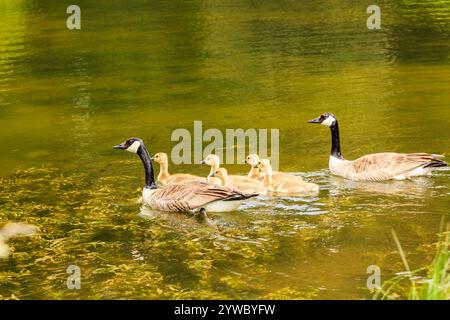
(120, 146)
(316, 120)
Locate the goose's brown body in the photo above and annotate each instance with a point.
(192, 195)
(386, 166)
(376, 166)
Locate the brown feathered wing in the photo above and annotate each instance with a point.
(385, 166)
(192, 195)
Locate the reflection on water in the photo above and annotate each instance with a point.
(181, 220)
(406, 188)
(99, 226)
(144, 70)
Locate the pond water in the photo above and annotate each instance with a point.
(147, 68)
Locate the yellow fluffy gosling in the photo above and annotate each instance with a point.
(254, 173)
(213, 161)
(242, 186)
(164, 177)
(286, 183)
(257, 174)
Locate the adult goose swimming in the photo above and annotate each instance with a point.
(186, 196)
(377, 166)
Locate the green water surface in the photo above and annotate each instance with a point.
(145, 68)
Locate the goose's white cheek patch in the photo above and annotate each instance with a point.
(329, 121)
(134, 147)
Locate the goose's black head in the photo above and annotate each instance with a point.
(136, 145)
(132, 145)
(327, 119)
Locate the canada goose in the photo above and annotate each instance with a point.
(254, 173)
(186, 196)
(257, 174)
(377, 166)
(11, 230)
(213, 161)
(243, 186)
(164, 177)
(286, 183)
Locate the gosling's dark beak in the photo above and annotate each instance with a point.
(120, 146)
(245, 161)
(316, 120)
(255, 167)
(202, 162)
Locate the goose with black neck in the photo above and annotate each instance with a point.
(376, 166)
(187, 196)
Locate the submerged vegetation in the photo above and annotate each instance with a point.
(410, 284)
(121, 254)
(153, 67)
(299, 250)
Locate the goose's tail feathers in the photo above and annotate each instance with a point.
(240, 196)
